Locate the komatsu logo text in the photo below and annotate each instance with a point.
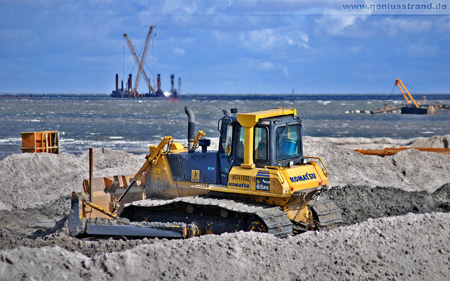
(244, 185)
(304, 177)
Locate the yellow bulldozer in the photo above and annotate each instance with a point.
(257, 180)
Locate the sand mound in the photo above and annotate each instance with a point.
(30, 179)
(388, 248)
(381, 143)
(436, 142)
(409, 170)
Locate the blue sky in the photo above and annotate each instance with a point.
(224, 46)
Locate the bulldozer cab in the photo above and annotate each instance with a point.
(275, 140)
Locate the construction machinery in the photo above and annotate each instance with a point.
(412, 106)
(258, 179)
(140, 62)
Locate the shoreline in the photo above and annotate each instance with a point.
(437, 141)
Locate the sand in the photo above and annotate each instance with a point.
(396, 211)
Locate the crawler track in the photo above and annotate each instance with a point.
(326, 212)
(212, 215)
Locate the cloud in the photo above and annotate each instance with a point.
(339, 23)
(355, 49)
(259, 39)
(269, 39)
(410, 25)
(423, 50)
(298, 39)
(266, 65)
(286, 71)
(179, 51)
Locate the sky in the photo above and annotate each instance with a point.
(226, 46)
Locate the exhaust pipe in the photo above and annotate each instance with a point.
(191, 128)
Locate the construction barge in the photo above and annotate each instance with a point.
(131, 92)
(412, 107)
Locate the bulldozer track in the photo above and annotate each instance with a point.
(327, 212)
(273, 217)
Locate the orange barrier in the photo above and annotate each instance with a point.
(391, 151)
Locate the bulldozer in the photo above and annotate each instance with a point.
(257, 180)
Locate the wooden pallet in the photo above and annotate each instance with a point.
(37, 142)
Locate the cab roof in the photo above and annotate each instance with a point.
(250, 119)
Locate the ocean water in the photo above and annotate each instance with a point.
(129, 124)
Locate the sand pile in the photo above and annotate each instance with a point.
(381, 143)
(28, 180)
(408, 247)
(35, 200)
(31, 179)
(409, 170)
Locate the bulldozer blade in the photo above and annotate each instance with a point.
(75, 224)
(79, 225)
(133, 231)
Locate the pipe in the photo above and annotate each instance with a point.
(91, 171)
(117, 84)
(158, 82)
(130, 83)
(191, 128)
(171, 82)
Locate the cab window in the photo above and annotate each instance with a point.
(288, 142)
(260, 145)
(226, 139)
(240, 144)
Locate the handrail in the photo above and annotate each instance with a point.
(323, 164)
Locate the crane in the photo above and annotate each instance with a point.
(141, 62)
(400, 84)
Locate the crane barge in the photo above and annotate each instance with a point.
(132, 92)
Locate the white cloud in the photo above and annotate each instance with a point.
(190, 8)
(335, 25)
(410, 25)
(422, 50)
(270, 39)
(266, 66)
(338, 22)
(298, 39)
(259, 39)
(179, 51)
(355, 49)
(286, 71)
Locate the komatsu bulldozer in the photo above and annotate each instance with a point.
(257, 180)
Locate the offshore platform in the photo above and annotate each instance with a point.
(131, 92)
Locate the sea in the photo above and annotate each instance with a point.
(99, 121)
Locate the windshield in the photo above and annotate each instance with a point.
(288, 142)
